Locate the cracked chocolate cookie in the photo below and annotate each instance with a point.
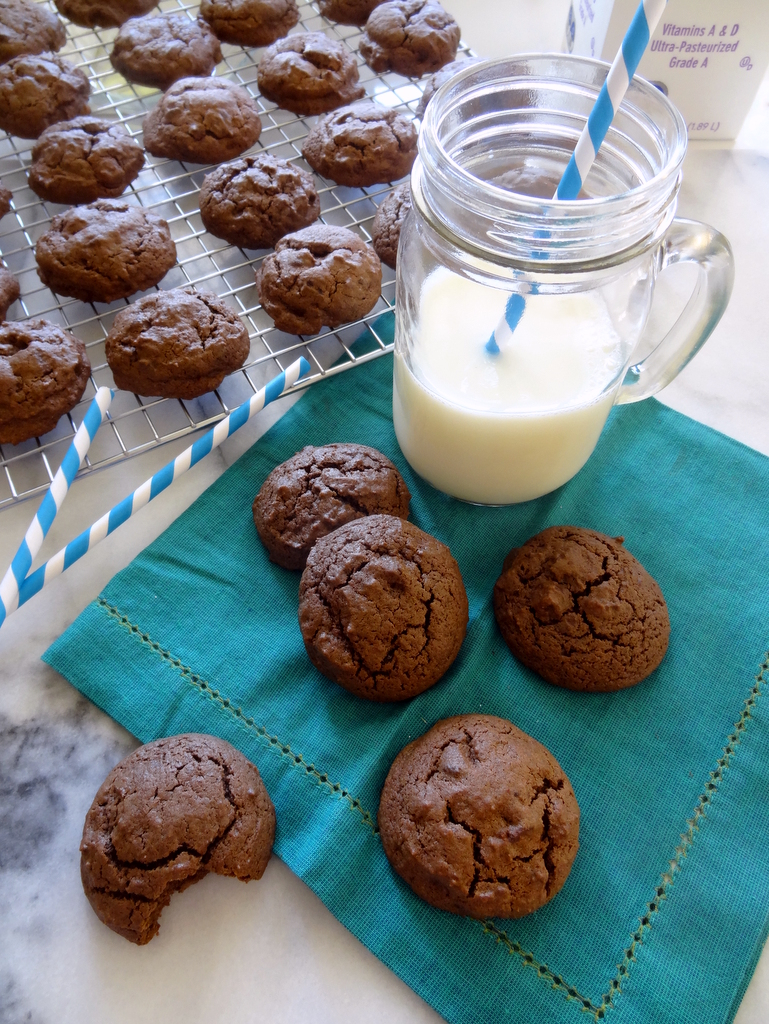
(103, 13)
(445, 74)
(348, 12)
(37, 90)
(158, 50)
(386, 229)
(362, 144)
(320, 489)
(479, 818)
(309, 73)
(5, 199)
(104, 251)
(28, 28)
(169, 813)
(250, 22)
(43, 373)
(9, 291)
(84, 159)
(382, 608)
(319, 275)
(175, 344)
(202, 121)
(412, 37)
(578, 609)
(254, 201)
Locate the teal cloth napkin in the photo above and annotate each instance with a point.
(665, 912)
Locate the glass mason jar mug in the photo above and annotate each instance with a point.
(507, 426)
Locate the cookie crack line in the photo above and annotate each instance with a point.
(308, 769)
(661, 891)
(361, 671)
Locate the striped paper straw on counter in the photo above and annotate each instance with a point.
(52, 502)
(163, 478)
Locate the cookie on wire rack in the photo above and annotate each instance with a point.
(43, 374)
(105, 251)
(175, 344)
(250, 22)
(82, 160)
(321, 275)
(27, 27)
(412, 37)
(308, 73)
(386, 229)
(9, 291)
(348, 12)
(37, 90)
(103, 13)
(162, 48)
(362, 144)
(252, 202)
(202, 121)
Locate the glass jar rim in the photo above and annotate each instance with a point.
(644, 210)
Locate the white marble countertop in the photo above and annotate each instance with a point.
(272, 951)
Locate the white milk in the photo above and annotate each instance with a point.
(504, 428)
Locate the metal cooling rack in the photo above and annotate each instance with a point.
(136, 424)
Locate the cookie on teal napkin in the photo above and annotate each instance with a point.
(665, 912)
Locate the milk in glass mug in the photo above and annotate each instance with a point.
(508, 426)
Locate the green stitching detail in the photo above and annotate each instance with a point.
(543, 971)
(283, 749)
(668, 877)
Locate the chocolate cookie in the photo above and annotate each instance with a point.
(348, 12)
(382, 608)
(412, 37)
(5, 199)
(169, 813)
(320, 275)
(386, 229)
(320, 489)
(84, 159)
(104, 251)
(203, 121)
(9, 291)
(28, 28)
(363, 144)
(43, 373)
(250, 22)
(445, 74)
(309, 74)
(103, 13)
(578, 609)
(37, 90)
(160, 49)
(479, 819)
(175, 344)
(254, 201)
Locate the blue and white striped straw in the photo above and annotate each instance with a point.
(52, 502)
(601, 116)
(162, 479)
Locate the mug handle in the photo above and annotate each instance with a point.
(686, 241)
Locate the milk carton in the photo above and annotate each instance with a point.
(708, 56)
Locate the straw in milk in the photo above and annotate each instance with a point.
(601, 116)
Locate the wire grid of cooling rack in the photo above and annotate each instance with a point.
(136, 424)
